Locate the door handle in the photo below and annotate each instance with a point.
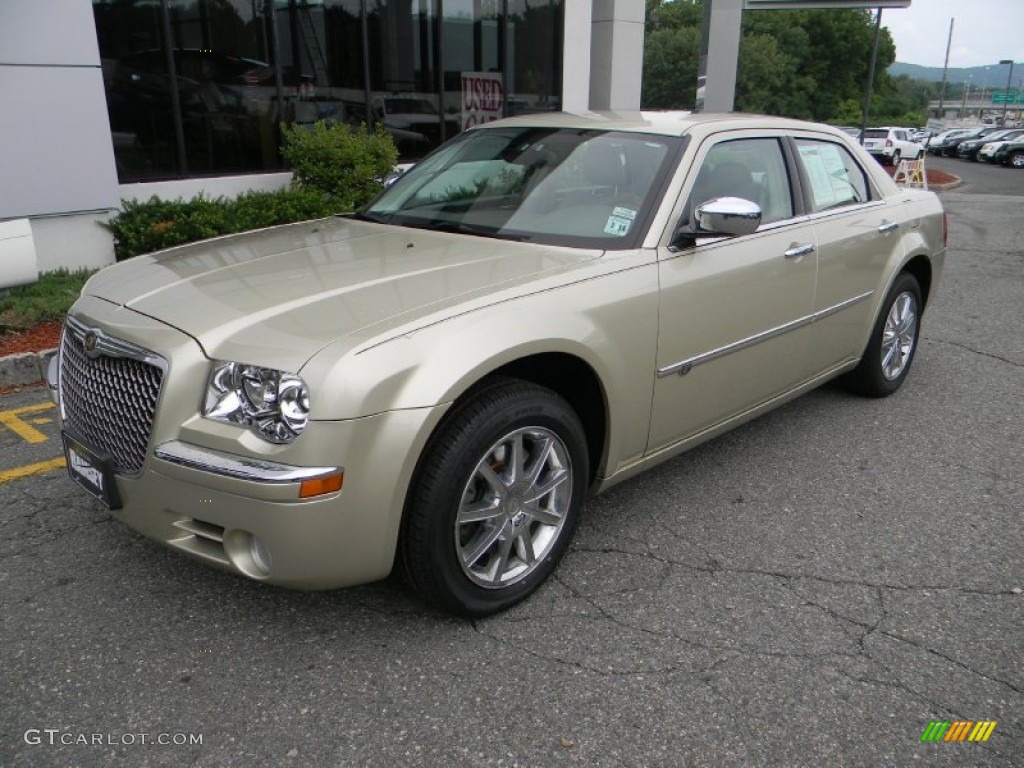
(886, 228)
(799, 250)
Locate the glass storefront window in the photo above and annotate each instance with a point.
(226, 85)
(200, 87)
(137, 84)
(535, 40)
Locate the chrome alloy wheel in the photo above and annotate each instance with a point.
(513, 507)
(898, 335)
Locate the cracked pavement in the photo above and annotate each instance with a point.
(810, 589)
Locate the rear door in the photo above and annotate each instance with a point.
(857, 234)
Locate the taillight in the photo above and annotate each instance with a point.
(888, 142)
(945, 229)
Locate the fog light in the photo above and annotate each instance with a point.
(260, 554)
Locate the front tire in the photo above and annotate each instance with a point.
(496, 499)
(893, 342)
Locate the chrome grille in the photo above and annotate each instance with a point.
(108, 397)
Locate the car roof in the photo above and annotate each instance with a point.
(668, 123)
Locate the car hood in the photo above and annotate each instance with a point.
(276, 296)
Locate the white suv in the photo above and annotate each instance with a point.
(890, 145)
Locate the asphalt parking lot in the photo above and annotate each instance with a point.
(812, 589)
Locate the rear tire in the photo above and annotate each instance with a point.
(1017, 160)
(893, 342)
(496, 499)
(895, 160)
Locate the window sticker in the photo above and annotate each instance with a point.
(624, 213)
(617, 225)
(830, 184)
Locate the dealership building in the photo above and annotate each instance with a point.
(106, 100)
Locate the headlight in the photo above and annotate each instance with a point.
(273, 404)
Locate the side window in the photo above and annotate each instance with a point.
(833, 176)
(752, 169)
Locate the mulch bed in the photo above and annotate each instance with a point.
(45, 336)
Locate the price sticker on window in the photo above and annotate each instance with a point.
(620, 221)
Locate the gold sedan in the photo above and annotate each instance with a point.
(542, 308)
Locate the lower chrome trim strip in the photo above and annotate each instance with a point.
(685, 366)
(241, 467)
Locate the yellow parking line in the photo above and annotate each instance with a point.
(17, 473)
(11, 420)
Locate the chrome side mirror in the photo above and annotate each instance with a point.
(727, 216)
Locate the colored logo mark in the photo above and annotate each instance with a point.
(959, 730)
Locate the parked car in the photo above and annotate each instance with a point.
(946, 144)
(1009, 153)
(543, 307)
(920, 136)
(890, 145)
(937, 143)
(968, 150)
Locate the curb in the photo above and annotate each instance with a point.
(26, 368)
(947, 186)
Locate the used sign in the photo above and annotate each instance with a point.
(483, 98)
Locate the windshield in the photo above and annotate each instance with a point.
(585, 188)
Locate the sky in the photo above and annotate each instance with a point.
(984, 32)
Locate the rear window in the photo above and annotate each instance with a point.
(875, 133)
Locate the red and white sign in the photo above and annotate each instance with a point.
(483, 98)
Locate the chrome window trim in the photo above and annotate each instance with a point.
(685, 366)
(239, 467)
(853, 208)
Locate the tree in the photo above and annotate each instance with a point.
(806, 64)
(670, 68)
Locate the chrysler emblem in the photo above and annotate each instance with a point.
(90, 343)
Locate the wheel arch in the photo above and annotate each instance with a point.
(569, 376)
(576, 382)
(920, 266)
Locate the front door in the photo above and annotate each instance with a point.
(733, 310)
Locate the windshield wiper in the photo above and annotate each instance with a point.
(371, 217)
(446, 225)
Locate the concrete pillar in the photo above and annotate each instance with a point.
(576, 56)
(616, 54)
(720, 50)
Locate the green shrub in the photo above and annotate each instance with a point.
(144, 227)
(256, 210)
(337, 169)
(49, 298)
(345, 163)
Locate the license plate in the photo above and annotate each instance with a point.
(92, 472)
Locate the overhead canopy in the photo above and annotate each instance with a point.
(775, 5)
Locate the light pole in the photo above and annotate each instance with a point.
(967, 92)
(1006, 101)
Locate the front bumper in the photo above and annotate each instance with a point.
(214, 491)
(334, 540)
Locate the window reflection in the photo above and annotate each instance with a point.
(199, 87)
(137, 85)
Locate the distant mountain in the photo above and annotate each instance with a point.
(993, 74)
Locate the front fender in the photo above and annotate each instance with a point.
(608, 321)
